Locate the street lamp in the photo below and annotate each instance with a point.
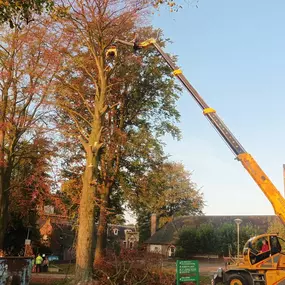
(238, 222)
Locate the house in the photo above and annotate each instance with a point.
(58, 235)
(164, 240)
(127, 236)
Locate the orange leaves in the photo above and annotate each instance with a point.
(4, 74)
(30, 183)
(4, 126)
(72, 190)
(3, 163)
(172, 4)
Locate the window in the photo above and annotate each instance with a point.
(128, 231)
(259, 249)
(125, 244)
(171, 251)
(276, 244)
(155, 248)
(115, 231)
(281, 244)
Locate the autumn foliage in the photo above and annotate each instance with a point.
(66, 103)
(13, 11)
(30, 185)
(27, 67)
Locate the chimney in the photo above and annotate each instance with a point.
(153, 226)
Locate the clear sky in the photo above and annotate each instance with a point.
(233, 53)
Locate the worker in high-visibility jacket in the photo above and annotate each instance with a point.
(39, 261)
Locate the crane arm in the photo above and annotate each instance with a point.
(252, 167)
(264, 183)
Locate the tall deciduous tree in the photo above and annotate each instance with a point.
(30, 189)
(166, 190)
(31, 181)
(27, 67)
(108, 103)
(85, 99)
(146, 95)
(25, 9)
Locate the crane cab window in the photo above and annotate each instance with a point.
(259, 245)
(277, 244)
(259, 249)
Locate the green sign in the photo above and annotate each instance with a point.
(187, 271)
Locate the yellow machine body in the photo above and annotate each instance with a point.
(257, 267)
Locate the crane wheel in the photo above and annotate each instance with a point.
(237, 279)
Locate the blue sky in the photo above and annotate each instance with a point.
(233, 53)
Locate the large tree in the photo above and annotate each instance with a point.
(145, 94)
(29, 191)
(105, 102)
(84, 98)
(13, 10)
(27, 67)
(165, 189)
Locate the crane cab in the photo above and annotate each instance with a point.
(263, 263)
(263, 251)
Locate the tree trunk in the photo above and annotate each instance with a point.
(3, 191)
(3, 213)
(100, 241)
(102, 228)
(84, 254)
(4, 203)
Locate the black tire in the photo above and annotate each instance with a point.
(218, 281)
(237, 279)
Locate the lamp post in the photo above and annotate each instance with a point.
(238, 222)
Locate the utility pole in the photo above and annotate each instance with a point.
(238, 222)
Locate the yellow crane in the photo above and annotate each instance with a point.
(263, 261)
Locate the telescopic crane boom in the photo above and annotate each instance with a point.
(257, 266)
(252, 167)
